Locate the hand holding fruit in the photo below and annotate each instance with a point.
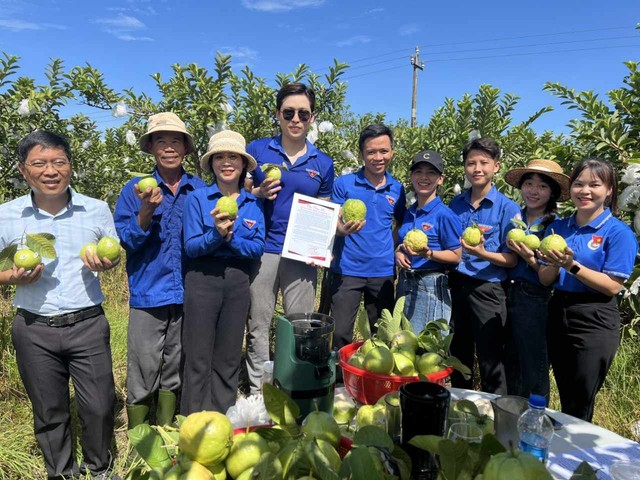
(149, 193)
(269, 189)
(559, 259)
(101, 256)
(402, 257)
(347, 228)
(23, 276)
(478, 250)
(222, 223)
(523, 250)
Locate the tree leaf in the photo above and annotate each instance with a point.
(40, 244)
(319, 462)
(453, 457)
(363, 324)
(459, 366)
(372, 436)
(398, 310)
(519, 223)
(430, 443)
(266, 468)
(360, 463)
(6, 257)
(149, 445)
(538, 227)
(281, 408)
(466, 406)
(388, 326)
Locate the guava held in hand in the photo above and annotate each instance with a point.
(88, 248)
(532, 241)
(553, 242)
(354, 210)
(27, 259)
(108, 247)
(271, 171)
(416, 240)
(147, 182)
(517, 235)
(229, 206)
(472, 235)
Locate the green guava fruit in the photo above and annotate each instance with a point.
(405, 350)
(272, 171)
(371, 415)
(229, 206)
(357, 360)
(402, 365)
(321, 425)
(472, 236)
(197, 471)
(405, 338)
(367, 345)
(206, 437)
(27, 259)
(245, 452)
(379, 360)
(416, 240)
(108, 247)
(516, 235)
(429, 363)
(553, 242)
(532, 241)
(343, 410)
(353, 210)
(147, 182)
(513, 464)
(88, 248)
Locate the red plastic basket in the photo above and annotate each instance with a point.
(367, 387)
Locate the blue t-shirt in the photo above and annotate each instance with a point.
(441, 225)
(606, 245)
(522, 271)
(493, 217)
(155, 260)
(201, 237)
(311, 175)
(369, 253)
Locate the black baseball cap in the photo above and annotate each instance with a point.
(430, 157)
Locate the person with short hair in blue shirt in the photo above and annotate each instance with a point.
(305, 170)
(542, 184)
(363, 263)
(584, 321)
(150, 227)
(224, 251)
(478, 301)
(423, 280)
(60, 331)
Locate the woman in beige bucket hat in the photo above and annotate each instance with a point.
(542, 184)
(224, 244)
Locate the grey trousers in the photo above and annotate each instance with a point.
(297, 281)
(153, 351)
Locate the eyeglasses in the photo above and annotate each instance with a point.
(289, 113)
(57, 164)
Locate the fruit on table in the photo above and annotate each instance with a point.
(206, 437)
(245, 452)
(379, 360)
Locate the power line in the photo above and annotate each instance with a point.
(491, 56)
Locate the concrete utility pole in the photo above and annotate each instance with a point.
(415, 62)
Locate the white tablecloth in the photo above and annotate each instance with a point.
(576, 441)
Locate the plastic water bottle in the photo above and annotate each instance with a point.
(535, 428)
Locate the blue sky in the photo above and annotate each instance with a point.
(515, 46)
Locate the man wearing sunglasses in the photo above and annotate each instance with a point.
(308, 172)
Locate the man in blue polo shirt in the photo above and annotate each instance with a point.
(149, 224)
(478, 301)
(363, 261)
(305, 170)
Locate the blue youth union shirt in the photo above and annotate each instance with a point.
(311, 175)
(493, 216)
(439, 223)
(201, 237)
(606, 245)
(369, 253)
(155, 263)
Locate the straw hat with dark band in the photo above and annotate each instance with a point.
(543, 167)
(165, 122)
(227, 141)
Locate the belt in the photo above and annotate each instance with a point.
(64, 319)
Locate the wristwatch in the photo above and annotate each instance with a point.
(575, 269)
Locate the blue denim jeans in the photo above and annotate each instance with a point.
(427, 297)
(526, 358)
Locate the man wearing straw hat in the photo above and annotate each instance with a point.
(149, 224)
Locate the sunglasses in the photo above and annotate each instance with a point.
(289, 113)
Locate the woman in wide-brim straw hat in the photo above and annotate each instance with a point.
(542, 184)
(224, 240)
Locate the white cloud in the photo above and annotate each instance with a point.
(131, 38)
(18, 25)
(122, 22)
(408, 29)
(238, 53)
(356, 40)
(280, 5)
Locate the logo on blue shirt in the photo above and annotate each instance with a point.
(596, 242)
(426, 227)
(391, 200)
(312, 173)
(249, 223)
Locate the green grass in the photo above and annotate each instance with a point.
(616, 408)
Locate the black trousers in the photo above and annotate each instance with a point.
(478, 319)
(346, 292)
(584, 335)
(216, 306)
(47, 357)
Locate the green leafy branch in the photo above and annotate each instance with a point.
(41, 243)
